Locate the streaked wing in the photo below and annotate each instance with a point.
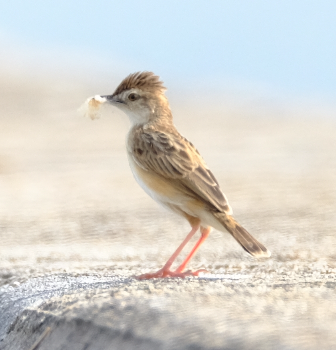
(175, 158)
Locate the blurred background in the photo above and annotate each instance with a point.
(252, 84)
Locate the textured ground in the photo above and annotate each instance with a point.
(75, 227)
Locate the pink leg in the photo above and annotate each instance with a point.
(165, 271)
(204, 236)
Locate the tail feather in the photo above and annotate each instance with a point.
(247, 241)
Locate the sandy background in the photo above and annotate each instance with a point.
(74, 223)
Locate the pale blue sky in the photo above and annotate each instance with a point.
(287, 46)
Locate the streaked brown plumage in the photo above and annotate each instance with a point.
(145, 81)
(170, 169)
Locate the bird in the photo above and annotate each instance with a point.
(172, 172)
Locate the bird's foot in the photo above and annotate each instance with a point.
(170, 274)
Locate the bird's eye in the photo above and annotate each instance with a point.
(133, 97)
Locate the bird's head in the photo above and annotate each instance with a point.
(141, 97)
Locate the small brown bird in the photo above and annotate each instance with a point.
(170, 169)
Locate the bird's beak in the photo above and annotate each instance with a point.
(114, 100)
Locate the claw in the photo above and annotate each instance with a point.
(165, 272)
(170, 274)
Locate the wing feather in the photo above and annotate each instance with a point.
(175, 158)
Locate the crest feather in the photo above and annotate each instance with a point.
(146, 81)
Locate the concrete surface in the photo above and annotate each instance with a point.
(75, 228)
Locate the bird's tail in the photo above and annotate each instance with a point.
(248, 242)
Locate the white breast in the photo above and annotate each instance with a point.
(172, 199)
(145, 184)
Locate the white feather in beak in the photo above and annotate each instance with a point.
(91, 108)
